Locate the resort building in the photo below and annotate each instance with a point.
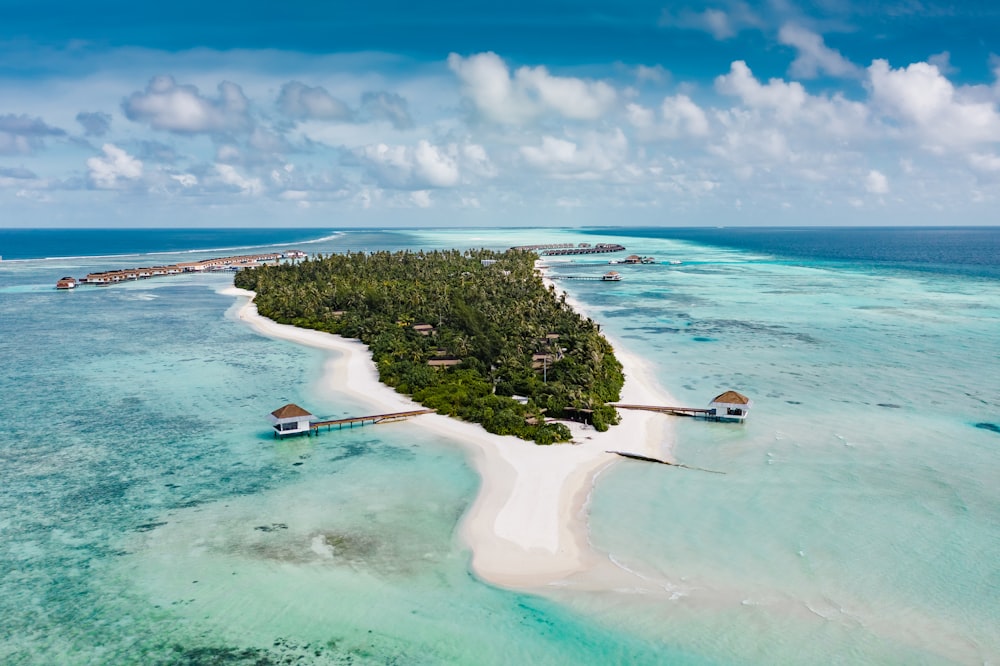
(730, 406)
(444, 362)
(290, 420)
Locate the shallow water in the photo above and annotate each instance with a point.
(147, 517)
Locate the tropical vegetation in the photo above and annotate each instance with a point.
(464, 333)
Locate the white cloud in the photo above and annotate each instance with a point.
(230, 176)
(792, 105)
(593, 155)
(784, 98)
(424, 165)
(876, 182)
(110, 172)
(186, 180)
(679, 117)
(165, 105)
(529, 92)
(923, 100)
(654, 74)
(434, 166)
(421, 198)
(985, 162)
(814, 57)
(302, 102)
(720, 23)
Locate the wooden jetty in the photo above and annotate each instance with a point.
(675, 411)
(362, 420)
(545, 246)
(610, 276)
(293, 420)
(600, 248)
(728, 406)
(104, 278)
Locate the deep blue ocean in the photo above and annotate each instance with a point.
(967, 250)
(53, 243)
(147, 517)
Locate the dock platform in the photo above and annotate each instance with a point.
(729, 406)
(675, 411)
(362, 420)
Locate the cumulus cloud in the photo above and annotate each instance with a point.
(412, 167)
(595, 154)
(231, 177)
(814, 56)
(95, 123)
(988, 162)
(22, 135)
(114, 170)
(186, 180)
(421, 198)
(679, 117)
(302, 102)
(922, 99)
(166, 105)
(777, 95)
(529, 92)
(720, 23)
(792, 105)
(876, 182)
(654, 74)
(382, 105)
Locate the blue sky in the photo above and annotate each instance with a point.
(546, 112)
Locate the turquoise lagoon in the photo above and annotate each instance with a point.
(146, 516)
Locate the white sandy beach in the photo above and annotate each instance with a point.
(528, 525)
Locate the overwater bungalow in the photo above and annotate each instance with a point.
(290, 420)
(729, 406)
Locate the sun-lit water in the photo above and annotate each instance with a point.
(147, 517)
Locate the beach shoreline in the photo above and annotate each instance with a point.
(527, 527)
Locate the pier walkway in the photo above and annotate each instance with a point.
(362, 420)
(676, 411)
(600, 248)
(579, 277)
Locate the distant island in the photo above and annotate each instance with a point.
(474, 334)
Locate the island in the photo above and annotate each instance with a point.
(472, 334)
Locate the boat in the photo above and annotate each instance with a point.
(648, 260)
(611, 276)
(66, 283)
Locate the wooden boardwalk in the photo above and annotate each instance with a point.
(362, 420)
(676, 411)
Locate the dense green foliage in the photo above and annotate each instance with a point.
(498, 319)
